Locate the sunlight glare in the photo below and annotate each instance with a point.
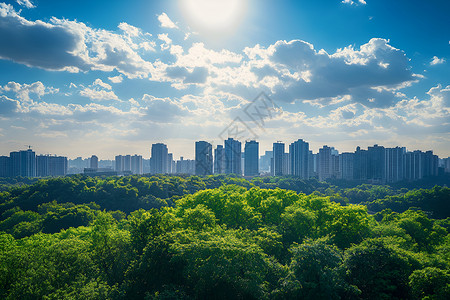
(214, 16)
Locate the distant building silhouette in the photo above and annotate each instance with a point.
(394, 164)
(233, 156)
(203, 158)
(185, 166)
(47, 165)
(328, 163)
(23, 163)
(219, 160)
(251, 158)
(159, 159)
(5, 166)
(376, 168)
(265, 162)
(346, 162)
(278, 159)
(299, 154)
(94, 162)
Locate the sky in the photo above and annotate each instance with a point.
(80, 77)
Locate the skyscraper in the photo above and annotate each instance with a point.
(23, 163)
(346, 162)
(278, 158)
(299, 152)
(265, 161)
(5, 166)
(233, 154)
(219, 160)
(159, 159)
(360, 164)
(251, 156)
(376, 168)
(137, 164)
(170, 163)
(394, 164)
(185, 166)
(94, 162)
(203, 158)
(328, 163)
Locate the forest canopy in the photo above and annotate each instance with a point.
(171, 237)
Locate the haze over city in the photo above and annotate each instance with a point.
(108, 77)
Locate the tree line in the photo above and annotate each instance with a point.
(171, 237)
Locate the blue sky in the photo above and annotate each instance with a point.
(112, 77)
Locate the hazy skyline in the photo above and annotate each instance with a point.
(80, 77)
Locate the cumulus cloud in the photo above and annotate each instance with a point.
(437, 61)
(116, 79)
(166, 22)
(129, 29)
(72, 46)
(8, 106)
(102, 84)
(162, 110)
(95, 94)
(26, 3)
(196, 75)
(299, 72)
(357, 2)
(23, 91)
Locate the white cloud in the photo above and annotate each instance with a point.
(129, 29)
(95, 94)
(104, 85)
(116, 79)
(437, 61)
(71, 45)
(166, 22)
(26, 3)
(162, 110)
(357, 2)
(23, 91)
(166, 41)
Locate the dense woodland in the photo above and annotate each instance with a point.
(222, 237)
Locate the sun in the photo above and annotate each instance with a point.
(214, 16)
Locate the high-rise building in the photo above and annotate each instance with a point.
(278, 158)
(94, 162)
(299, 153)
(5, 166)
(219, 160)
(312, 169)
(233, 156)
(251, 158)
(170, 164)
(122, 163)
(203, 158)
(394, 164)
(265, 162)
(185, 166)
(446, 166)
(137, 164)
(431, 164)
(376, 168)
(328, 163)
(23, 163)
(119, 163)
(360, 164)
(47, 165)
(346, 161)
(159, 159)
(42, 165)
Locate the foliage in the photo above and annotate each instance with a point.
(221, 237)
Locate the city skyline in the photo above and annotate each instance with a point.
(377, 164)
(80, 78)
